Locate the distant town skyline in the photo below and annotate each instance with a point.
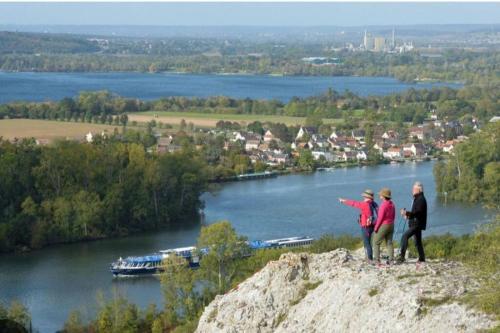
(249, 14)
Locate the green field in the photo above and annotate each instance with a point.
(210, 119)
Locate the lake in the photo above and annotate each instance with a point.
(56, 280)
(55, 86)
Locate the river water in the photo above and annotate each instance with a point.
(54, 281)
(55, 86)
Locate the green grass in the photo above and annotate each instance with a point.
(481, 252)
(372, 292)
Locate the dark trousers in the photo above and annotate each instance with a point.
(366, 234)
(416, 232)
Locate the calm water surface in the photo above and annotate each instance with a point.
(54, 281)
(55, 86)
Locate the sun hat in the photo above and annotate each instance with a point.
(367, 194)
(385, 192)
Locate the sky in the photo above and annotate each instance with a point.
(249, 14)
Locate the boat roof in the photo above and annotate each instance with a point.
(143, 259)
(179, 249)
(259, 244)
(288, 239)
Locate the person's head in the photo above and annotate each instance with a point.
(367, 194)
(417, 188)
(385, 194)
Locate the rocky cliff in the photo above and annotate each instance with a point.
(339, 292)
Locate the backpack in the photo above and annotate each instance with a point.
(372, 219)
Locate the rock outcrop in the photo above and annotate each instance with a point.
(339, 292)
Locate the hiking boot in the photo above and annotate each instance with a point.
(399, 261)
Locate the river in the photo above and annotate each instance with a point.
(56, 280)
(55, 86)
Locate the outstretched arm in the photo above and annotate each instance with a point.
(351, 203)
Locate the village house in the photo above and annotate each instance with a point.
(305, 130)
(344, 143)
(418, 132)
(328, 156)
(358, 135)
(275, 159)
(89, 137)
(414, 150)
(238, 136)
(393, 153)
(256, 156)
(268, 136)
(252, 144)
(454, 126)
(334, 135)
(448, 146)
(166, 145)
(348, 156)
(318, 140)
(361, 155)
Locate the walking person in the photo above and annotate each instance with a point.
(417, 221)
(384, 226)
(368, 210)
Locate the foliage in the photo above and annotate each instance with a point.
(328, 243)
(224, 247)
(16, 312)
(70, 191)
(472, 174)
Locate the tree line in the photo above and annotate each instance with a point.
(69, 191)
(413, 105)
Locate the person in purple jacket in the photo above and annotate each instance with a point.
(384, 227)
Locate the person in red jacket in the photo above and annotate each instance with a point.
(384, 227)
(368, 209)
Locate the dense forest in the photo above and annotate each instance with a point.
(472, 174)
(70, 191)
(31, 43)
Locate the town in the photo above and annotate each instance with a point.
(268, 146)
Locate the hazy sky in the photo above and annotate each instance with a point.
(272, 14)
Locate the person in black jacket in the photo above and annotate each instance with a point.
(417, 221)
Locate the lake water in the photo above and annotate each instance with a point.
(55, 86)
(54, 281)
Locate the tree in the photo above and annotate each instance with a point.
(224, 246)
(256, 127)
(306, 160)
(177, 282)
(183, 125)
(314, 121)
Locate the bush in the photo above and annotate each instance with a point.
(481, 252)
(329, 243)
